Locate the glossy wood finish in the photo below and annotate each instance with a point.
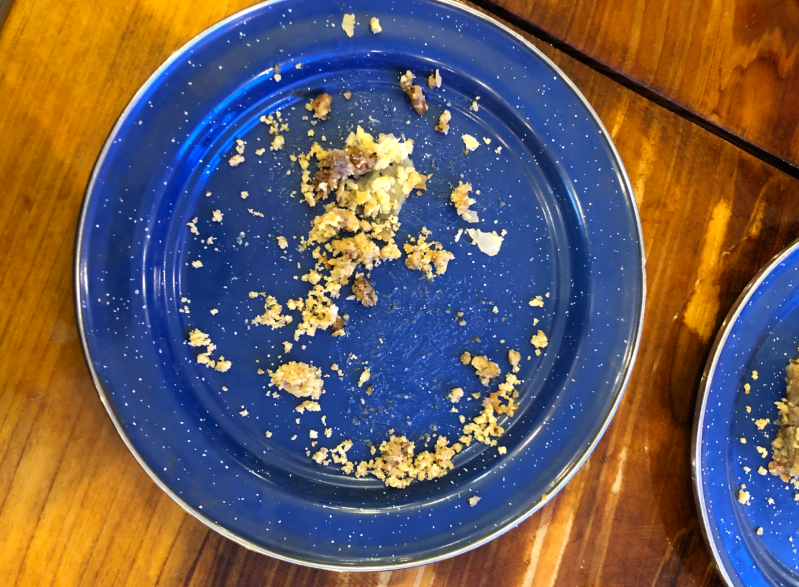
(75, 507)
(734, 63)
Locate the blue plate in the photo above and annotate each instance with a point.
(761, 333)
(556, 185)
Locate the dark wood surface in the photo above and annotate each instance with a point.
(734, 63)
(75, 507)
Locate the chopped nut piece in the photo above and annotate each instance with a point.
(348, 24)
(434, 80)
(321, 106)
(374, 24)
(414, 92)
(298, 379)
(443, 122)
(364, 291)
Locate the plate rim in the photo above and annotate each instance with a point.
(627, 368)
(703, 395)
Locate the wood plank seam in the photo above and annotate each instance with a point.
(503, 14)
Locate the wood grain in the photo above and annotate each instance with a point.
(734, 63)
(76, 509)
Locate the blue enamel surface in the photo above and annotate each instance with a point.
(762, 337)
(556, 186)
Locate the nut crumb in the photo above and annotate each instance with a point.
(414, 92)
(443, 122)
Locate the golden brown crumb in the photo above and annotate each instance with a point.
(272, 314)
(277, 143)
(214, 312)
(348, 24)
(743, 497)
(443, 122)
(366, 375)
(455, 395)
(364, 291)
(217, 216)
(282, 242)
(461, 200)
(761, 423)
(374, 24)
(747, 387)
(473, 500)
(321, 106)
(198, 338)
(470, 143)
(347, 94)
(309, 405)
(244, 195)
(474, 106)
(425, 256)
(754, 374)
(260, 152)
(196, 264)
(434, 80)
(193, 226)
(466, 358)
(236, 160)
(537, 301)
(414, 92)
(513, 358)
(298, 379)
(485, 369)
(255, 212)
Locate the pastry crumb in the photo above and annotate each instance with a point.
(321, 106)
(282, 242)
(426, 256)
(461, 200)
(485, 369)
(434, 80)
(374, 25)
(473, 500)
(348, 24)
(488, 243)
(470, 143)
(309, 405)
(537, 301)
(513, 358)
(455, 395)
(298, 379)
(414, 92)
(366, 375)
(197, 264)
(217, 216)
(443, 122)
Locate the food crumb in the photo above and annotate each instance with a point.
(537, 301)
(348, 24)
(754, 374)
(466, 358)
(473, 500)
(743, 497)
(347, 94)
(513, 358)
(455, 395)
(760, 531)
(197, 264)
(488, 243)
(747, 387)
(298, 379)
(244, 413)
(474, 106)
(193, 226)
(214, 312)
(217, 216)
(762, 470)
(244, 195)
(502, 450)
(282, 242)
(539, 340)
(443, 122)
(236, 160)
(374, 24)
(485, 369)
(287, 346)
(414, 92)
(260, 151)
(761, 423)
(461, 200)
(434, 80)
(366, 375)
(268, 434)
(321, 106)
(470, 143)
(743, 440)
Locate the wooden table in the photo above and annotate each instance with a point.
(76, 509)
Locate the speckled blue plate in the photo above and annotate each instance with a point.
(761, 333)
(550, 177)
